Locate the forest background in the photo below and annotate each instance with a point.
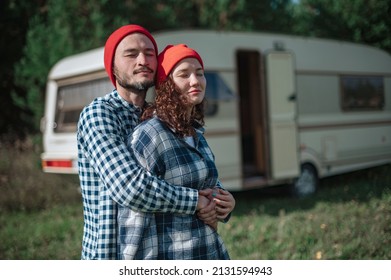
(36, 34)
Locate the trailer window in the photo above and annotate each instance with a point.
(362, 93)
(216, 91)
(71, 100)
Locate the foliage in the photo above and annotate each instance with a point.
(14, 119)
(363, 21)
(271, 16)
(23, 184)
(39, 33)
(60, 29)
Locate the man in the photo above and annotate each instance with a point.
(109, 176)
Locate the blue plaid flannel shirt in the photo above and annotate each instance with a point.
(171, 235)
(109, 176)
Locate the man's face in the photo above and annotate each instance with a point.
(135, 63)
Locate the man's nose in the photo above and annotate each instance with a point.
(142, 59)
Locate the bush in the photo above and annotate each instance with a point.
(25, 187)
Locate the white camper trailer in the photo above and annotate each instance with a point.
(281, 109)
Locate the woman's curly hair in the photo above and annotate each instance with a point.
(170, 107)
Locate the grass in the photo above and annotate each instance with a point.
(51, 234)
(349, 218)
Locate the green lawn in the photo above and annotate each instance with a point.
(349, 218)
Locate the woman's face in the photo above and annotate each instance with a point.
(189, 78)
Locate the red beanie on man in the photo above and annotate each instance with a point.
(170, 57)
(115, 38)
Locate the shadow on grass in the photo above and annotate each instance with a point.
(359, 186)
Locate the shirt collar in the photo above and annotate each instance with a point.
(125, 103)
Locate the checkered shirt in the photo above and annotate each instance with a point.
(109, 176)
(167, 235)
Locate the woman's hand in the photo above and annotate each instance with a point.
(206, 208)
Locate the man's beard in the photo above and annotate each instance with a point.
(136, 87)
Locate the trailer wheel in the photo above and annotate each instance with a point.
(307, 183)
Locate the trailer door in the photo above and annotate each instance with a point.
(282, 115)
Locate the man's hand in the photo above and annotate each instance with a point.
(206, 208)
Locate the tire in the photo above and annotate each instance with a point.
(307, 183)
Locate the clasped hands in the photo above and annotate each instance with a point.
(214, 205)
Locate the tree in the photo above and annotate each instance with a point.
(363, 21)
(14, 19)
(55, 29)
(60, 28)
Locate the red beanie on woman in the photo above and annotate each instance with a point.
(115, 38)
(170, 57)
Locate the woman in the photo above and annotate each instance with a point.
(171, 145)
